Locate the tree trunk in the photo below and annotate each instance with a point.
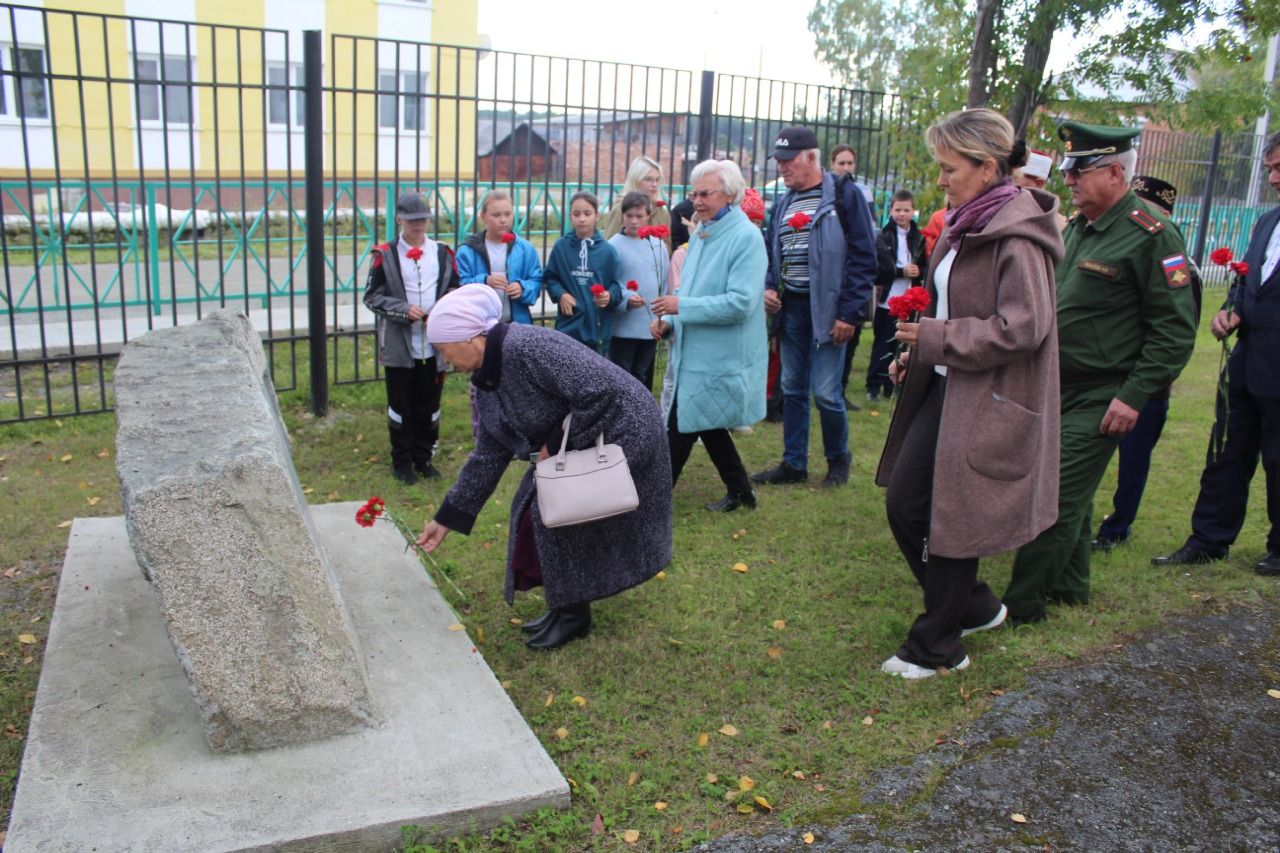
(1029, 88)
(982, 59)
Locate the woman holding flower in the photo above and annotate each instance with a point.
(971, 459)
(642, 267)
(405, 280)
(527, 378)
(498, 258)
(644, 176)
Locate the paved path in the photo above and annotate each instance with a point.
(1172, 744)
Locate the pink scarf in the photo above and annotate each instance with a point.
(975, 213)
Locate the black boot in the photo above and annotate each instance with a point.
(565, 625)
(837, 473)
(730, 502)
(533, 626)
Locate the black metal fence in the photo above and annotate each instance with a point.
(151, 171)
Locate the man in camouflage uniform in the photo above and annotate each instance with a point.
(1126, 328)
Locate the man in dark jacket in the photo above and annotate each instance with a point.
(1253, 401)
(822, 270)
(900, 263)
(405, 280)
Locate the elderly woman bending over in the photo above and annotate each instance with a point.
(527, 379)
(719, 350)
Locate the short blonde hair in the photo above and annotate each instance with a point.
(730, 174)
(976, 134)
(493, 195)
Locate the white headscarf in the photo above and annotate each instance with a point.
(471, 310)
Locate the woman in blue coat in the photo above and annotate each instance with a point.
(719, 352)
(505, 262)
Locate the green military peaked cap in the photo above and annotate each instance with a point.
(1085, 143)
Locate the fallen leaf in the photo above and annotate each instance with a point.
(774, 652)
(712, 778)
(308, 490)
(359, 436)
(798, 774)
(764, 804)
(827, 724)
(745, 809)
(807, 838)
(28, 659)
(64, 524)
(732, 794)
(746, 783)
(1018, 818)
(632, 778)
(457, 627)
(660, 806)
(676, 830)
(332, 496)
(551, 697)
(103, 454)
(673, 641)
(728, 730)
(26, 639)
(82, 485)
(819, 788)
(13, 572)
(702, 739)
(779, 624)
(35, 619)
(868, 720)
(480, 635)
(93, 501)
(371, 460)
(874, 413)
(562, 733)
(66, 457)
(573, 783)
(505, 685)
(515, 621)
(742, 531)
(597, 825)
(661, 575)
(580, 701)
(1273, 693)
(740, 568)
(631, 836)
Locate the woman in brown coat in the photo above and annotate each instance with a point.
(971, 459)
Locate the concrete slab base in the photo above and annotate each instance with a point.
(116, 757)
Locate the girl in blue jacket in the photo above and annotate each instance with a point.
(582, 277)
(500, 259)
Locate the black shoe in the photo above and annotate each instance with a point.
(837, 474)
(1017, 620)
(784, 473)
(730, 502)
(1102, 542)
(427, 470)
(1269, 565)
(851, 406)
(405, 474)
(773, 412)
(566, 625)
(1190, 555)
(533, 626)
(873, 396)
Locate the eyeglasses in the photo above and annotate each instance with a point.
(1077, 173)
(705, 193)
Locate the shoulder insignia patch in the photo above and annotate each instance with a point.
(1146, 221)
(1176, 271)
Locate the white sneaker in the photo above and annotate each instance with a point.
(995, 622)
(913, 672)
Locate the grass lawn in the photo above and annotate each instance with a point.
(708, 700)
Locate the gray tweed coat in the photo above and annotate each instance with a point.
(544, 375)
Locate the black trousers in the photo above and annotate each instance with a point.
(883, 347)
(634, 355)
(721, 449)
(1253, 431)
(953, 596)
(413, 411)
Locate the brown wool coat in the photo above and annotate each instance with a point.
(995, 483)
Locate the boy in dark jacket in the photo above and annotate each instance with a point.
(900, 261)
(405, 281)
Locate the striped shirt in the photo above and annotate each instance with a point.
(794, 243)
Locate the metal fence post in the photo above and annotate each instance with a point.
(313, 143)
(705, 110)
(1206, 198)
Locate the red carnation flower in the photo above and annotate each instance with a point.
(659, 203)
(633, 285)
(915, 300)
(413, 254)
(644, 232)
(365, 516)
(662, 232)
(508, 238)
(799, 220)
(597, 289)
(376, 505)
(1240, 268)
(1221, 256)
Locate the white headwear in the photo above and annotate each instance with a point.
(460, 315)
(1038, 165)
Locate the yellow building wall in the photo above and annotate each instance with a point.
(225, 55)
(352, 117)
(456, 22)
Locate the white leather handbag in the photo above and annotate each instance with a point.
(578, 486)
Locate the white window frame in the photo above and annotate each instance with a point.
(402, 101)
(9, 94)
(161, 96)
(297, 115)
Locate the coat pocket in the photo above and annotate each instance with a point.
(1006, 439)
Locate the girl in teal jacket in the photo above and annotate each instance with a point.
(582, 277)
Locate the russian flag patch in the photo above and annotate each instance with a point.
(1176, 272)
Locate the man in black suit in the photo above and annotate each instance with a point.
(1253, 401)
